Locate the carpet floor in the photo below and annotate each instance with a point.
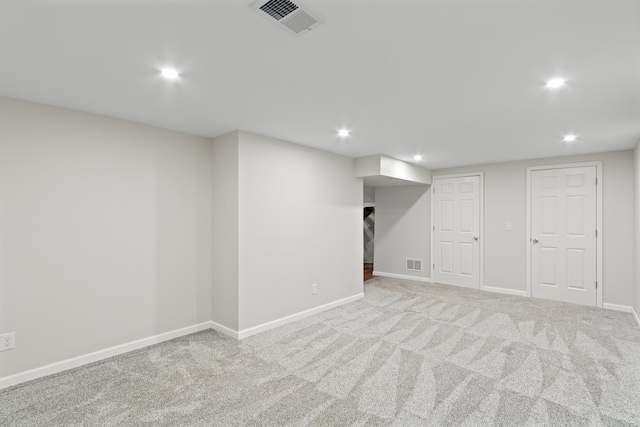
(407, 354)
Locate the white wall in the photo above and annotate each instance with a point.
(108, 232)
(104, 232)
(505, 201)
(300, 222)
(369, 195)
(402, 229)
(112, 231)
(402, 170)
(384, 171)
(636, 263)
(224, 284)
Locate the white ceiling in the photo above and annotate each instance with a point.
(460, 82)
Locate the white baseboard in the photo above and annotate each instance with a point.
(635, 314)
(402, 276)
(616, 307)
(224, 330)
(505, 291)
(75, 362)
(96, 356)
(292, 318)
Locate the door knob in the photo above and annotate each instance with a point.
(535, 241)
(475, 238)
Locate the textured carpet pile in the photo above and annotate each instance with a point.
(407, 354)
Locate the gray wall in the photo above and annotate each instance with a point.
(112, 231)
(369, 194)
(505, 201)
(300, 222)
(104, 232)
(636, 304)
(224, 283)
(402, 229)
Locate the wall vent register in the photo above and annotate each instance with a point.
(414, 264)
(294, 18)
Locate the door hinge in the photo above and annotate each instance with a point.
(596, 284)
(434, 190)
(596, 181)
(434, 266)
(434, 228)
(596, 232)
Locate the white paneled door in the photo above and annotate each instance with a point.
(563, 234)
(456, 231)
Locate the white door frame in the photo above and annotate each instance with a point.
(480, 176)
(599, 276)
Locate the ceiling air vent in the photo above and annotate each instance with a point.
(294, 18)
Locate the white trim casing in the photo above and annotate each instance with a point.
(402, 276)
(599, 275)
(96, 356)
(481, 231)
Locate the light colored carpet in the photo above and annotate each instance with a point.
(408, 354)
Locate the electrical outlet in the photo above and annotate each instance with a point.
(8, 341)
(314, 288)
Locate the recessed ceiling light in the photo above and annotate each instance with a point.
(169, 73)
(343, 133)
(569, 138)
(555, 83)
(417, 157)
